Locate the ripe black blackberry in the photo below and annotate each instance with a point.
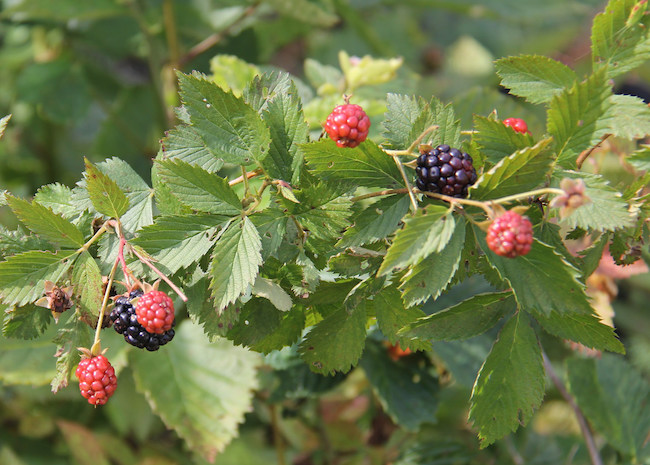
(445, 170)
(125, 322)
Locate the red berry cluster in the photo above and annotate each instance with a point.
(517, 124)
(510, 235)
(155, 312)
(97, 380)
(347, 125)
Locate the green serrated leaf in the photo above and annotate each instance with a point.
(423, 234)
(105, 195)
(272, 291)
(199, 189)
(532, 275)
(641, 158)
(184, 143)
(431, 276)
(496, 140)
(22, 276)
(321, 211)
(392, 315)
(200, 307)
(588, 330)
(27, 322)
(376, 222)
(87, 285)
(630, 117)
(57, 198)
(271, 224)
(177, 241)
(366, 165)
(467, 319)
(616, 401)
(235, 262)
(200, 389)
(46, 223)
(321, 348)
(522, 171)
(232, 130)
(231, 73)
(618, 47)
(607, 210)
(407, 392)
(592, 255)
(536, 78)
(74, 334)
(579, 117)
(500, 401)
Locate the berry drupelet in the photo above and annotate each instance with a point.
(510, 235)
(126, 322)
(347, 125)
(445, 170)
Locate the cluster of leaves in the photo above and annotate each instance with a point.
(289, 245)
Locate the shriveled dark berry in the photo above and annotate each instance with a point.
(445, 170)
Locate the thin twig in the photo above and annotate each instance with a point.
(96, 348)
(370, 195)
(414, 202)
(584, 155)
(250, 174)
(584, 428)
(147, 262)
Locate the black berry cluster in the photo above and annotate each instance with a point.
(445, 170)
(125, 322)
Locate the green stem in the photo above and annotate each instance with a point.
(370, 195)
(244, 176)
(523, 195)
(171, 33)
(96, 348)
(414, 202)
(93, 239)
(147, 262)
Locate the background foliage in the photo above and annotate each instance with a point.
(99, 80)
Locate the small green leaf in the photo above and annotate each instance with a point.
(366, 165)
(57, 198)
(423, 234)
(272, 291)
(271, 224)
(630, 117)
(532, 275)
(578, 117)
(200, 389)
(616, 401)
(536, 78)
(199, 189)
(46, 223)
(107, 198)
(392, 315)
(522, 171)
(496, 140)
(431, 276)
(585, 329)
(592, 255)
(232, 130)
(87, 285)
(184, 143)
(321, 348)
(367, 71)
(235, 262)
(467, 319)
(510, 385)
(23, 276)
(201, 310)
(27, 322)
(408, 392)
(231, 73)
(177, 241)
(74, 334)
(640, 159)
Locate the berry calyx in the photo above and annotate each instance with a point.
(97, 380)
(347, 125)
(125, 322)
(155, 312)
(517, 124)
(510, 235)
(445, 170)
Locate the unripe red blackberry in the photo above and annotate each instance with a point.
(155, 312)
(510, 235)
(97, 380)
(445, 170)
(125, 322)
(517, 124)
(347, 125)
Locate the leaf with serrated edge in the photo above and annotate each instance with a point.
(57, 198)
(27, 322)
(510, 385)
(423, 234)
(431, 276)
(107, 198)
(533, 77)
(200, 389)
(87, 284)
(587, 330)
(401, 115)
(183, 143)
(46, 223)
(235, 262)
(74, 334)
(467, 319)
(578, 117)
(641, 158)
(232, 130)
(630, 117)
(496, 140)
(321, 348)
(376, 222)
(532, 275)
(366, 165)
(522, 171)
(177, 241)
(607, 211)
(199, 189)
(272, 291)
(23, 276)
(201, 309)
(392, 315)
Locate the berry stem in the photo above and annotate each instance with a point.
(93, 239)
(414, 202)
(421, 137)
(258, 198)
(147, 262)
(96, 347)
(250, 174)
(584, 155)
(370, 195)
(244, 176)
(523, 195)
